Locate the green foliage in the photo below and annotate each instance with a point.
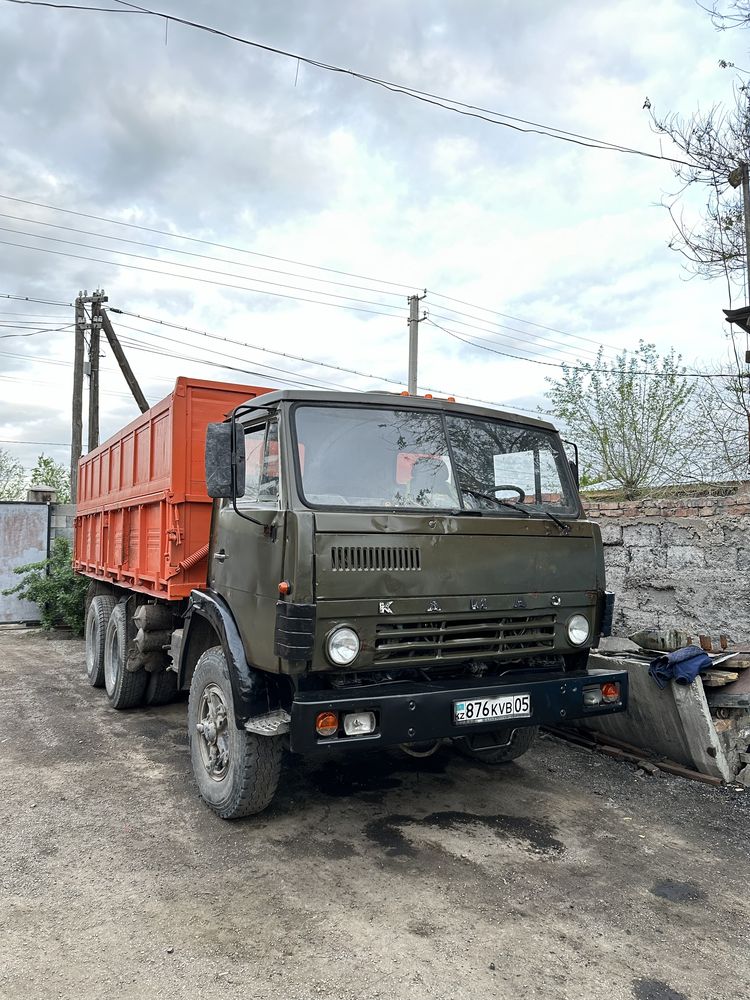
(12, 477)
(48, 472)
(629, 426)
(55, 588)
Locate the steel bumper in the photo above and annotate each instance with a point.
(412, 712)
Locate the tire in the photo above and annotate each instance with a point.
(511, 745)
(161, 687)
(237, 772)
(125, 689)
(97, 616)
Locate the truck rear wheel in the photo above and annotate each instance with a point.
(237, 772)
(161, 687)
(98, 614)
(125, 689)
(508, 745)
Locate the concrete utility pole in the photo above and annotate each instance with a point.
(414, 321)
(76, 440)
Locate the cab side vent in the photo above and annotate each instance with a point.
(368, 558)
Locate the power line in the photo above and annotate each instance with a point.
(574, 368)
(515, 319)
(204, 281)
(541, 342)
(50, 444)
(208, 243)
(203, 270)
(186, 253)
(27, 298)
(258, 347)
(35, 333)
(310, 278)
(446, 103)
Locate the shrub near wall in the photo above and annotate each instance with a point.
(678, 563)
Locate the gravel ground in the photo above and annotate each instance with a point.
(564, 875)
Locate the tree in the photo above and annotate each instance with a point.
(48, 472)
(12, 477)
(714, 142)
(629, 425)
(54, 587)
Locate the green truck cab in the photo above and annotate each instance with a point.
(385, 571)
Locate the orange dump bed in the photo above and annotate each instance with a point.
(143, 515)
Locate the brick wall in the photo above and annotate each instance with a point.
(678, 563)
(62, 516)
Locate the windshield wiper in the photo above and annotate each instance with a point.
(497, 500)
(565, 528)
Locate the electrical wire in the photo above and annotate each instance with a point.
(208, 243)
(34, 333)
(575, 368)
(28, 298)
(202, 270)
(490, 116)
(187, 253)
(539, 342)
(310, 278)
(204, 281)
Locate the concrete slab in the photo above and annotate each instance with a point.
(675, 722)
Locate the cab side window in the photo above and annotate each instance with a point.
(262, 470)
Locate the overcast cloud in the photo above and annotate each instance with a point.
(209, 138)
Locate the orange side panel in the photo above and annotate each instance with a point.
(143, 510)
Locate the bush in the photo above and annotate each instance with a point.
(55, 588)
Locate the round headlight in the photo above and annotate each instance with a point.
(342, 646)
(578, 630)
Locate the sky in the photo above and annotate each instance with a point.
(292, 211)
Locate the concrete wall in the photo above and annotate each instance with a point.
(679, 563)
(61, 521)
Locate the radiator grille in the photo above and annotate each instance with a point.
(366, 558)
(463, 638)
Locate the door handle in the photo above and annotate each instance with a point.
(220, 555)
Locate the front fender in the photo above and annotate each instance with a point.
(255, 692)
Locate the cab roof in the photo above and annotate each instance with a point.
(392, 399)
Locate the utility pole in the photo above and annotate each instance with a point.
(76, 440)
(414, 321)
(97, 298)
(739, 176)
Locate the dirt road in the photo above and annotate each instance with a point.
(564, 875)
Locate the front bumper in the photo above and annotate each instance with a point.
(417, 711)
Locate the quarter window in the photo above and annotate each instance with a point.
(262, 468)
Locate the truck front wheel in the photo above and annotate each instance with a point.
(237, 772)
(498, 747)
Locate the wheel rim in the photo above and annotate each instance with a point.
(213, 732)
(111, 658)
(92, 642)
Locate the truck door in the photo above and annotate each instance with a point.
(247, 558)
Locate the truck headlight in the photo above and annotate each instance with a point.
(342, 646)
(578, 630)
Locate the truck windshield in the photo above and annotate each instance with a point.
(379, 457)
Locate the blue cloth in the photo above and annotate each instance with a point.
(682, 666)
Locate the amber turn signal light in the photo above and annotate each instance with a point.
(285, 587)
(327, 723)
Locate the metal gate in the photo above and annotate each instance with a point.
(24, 538)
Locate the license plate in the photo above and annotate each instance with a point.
(507, 706)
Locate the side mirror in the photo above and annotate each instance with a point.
(225, 460)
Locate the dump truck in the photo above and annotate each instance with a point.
(324, 572)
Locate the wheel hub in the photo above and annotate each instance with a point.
(213, 732)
